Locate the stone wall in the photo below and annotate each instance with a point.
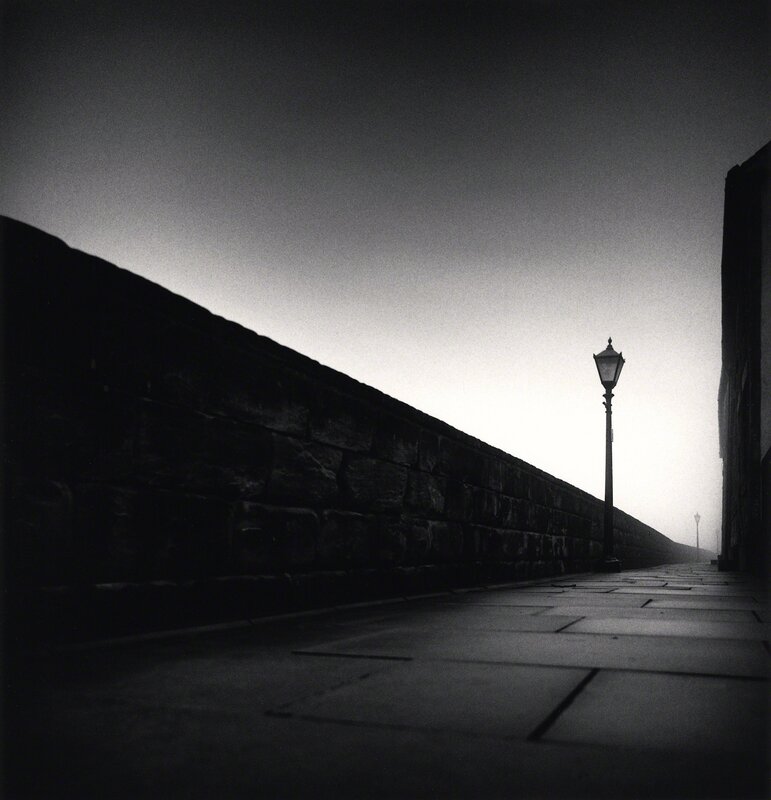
(165, 466)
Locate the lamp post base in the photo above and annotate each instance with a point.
(610, 565)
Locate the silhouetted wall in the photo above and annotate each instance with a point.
(164, 465)
(744, 402)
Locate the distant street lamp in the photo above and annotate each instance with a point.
(609, 365)
(697, 517)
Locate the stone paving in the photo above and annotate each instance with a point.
(651, 683)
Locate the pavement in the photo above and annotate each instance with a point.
(647, 683)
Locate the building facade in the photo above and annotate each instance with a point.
(744, 402)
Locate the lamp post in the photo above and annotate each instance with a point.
(609, 364)
(697, 517)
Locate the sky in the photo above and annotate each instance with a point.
(454, 202)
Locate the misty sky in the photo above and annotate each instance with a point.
(455, 203)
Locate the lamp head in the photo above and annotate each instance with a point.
(609, 364)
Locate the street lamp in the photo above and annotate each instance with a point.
(697, 517)
(609, 364)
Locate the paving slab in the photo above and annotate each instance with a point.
(651, 613)
(481, 699)
(449, 613)
(668, 712)
(119, 752)
(705, 629)
(604, 585)
(482, 618)
(702, 588)
(222, 682)
(547, 599)
(645, 583)
(658, 654)
(706, 602)
(689, 591)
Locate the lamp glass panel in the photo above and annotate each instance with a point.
(607, 368)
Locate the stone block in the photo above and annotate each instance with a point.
(572, 525)
(366, 584)
(461, 462)
(403, 540)
(147, 353)
(489, 543)
(537, 518)
(390, 542)
(396, 440)
(541, 569)
(494, 545)
(537, 490)
(409, 580)
(374, 485)
(518, 514)
(144, 351)
(494, 474)
(472, 545)
(542, 516)
(522, 570)
(109, 541)
(185, 536)
(581, 548)
(183, 449)
(342, 421)
(418, 538)
(254, 389)
(428, 451)
(459, 501)
(347, 540)
(425, 492)
(534, 546)
(303, 472)
(38, 537)
(180, 385)
(558, 523)
(282, 415)
(487, 507)
(511, 480)
(237, 597)
(568, 500)
(270, 539)
(585, 528)
(319, 588)
(446, 541)
(67, 426)
(551, 494)
(505, 513)
(513, 545)
(587, 506)
(499, 572)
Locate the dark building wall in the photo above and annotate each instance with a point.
(166, 465)
(744, 403)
